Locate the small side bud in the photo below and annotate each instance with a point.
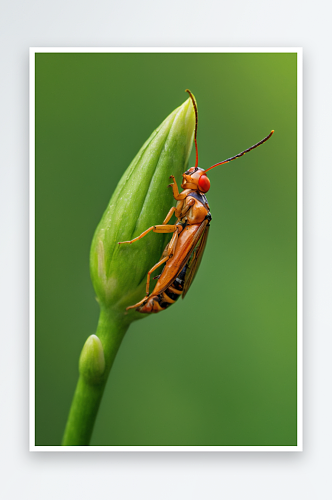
(92, 360)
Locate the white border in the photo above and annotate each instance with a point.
(300, 249)
(32, 252)
(298, 50)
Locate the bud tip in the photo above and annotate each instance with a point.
(92, 360)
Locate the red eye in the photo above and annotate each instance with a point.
(204, 183)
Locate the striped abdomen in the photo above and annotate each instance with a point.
(157, 303)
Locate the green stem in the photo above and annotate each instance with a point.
(88, 394)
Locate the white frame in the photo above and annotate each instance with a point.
(298, 50)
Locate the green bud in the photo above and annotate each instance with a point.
(92, 360)
(142, 199)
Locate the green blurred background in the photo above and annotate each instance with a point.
(218, 368)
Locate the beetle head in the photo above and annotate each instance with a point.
(195, 178)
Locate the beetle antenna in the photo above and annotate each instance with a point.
(196, 121)
(243, 152)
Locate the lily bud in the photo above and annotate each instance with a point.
(92, 360)
(141, 200)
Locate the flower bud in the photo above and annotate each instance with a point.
(92, 360)
(142, 199)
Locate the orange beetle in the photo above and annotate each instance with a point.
(183, 254)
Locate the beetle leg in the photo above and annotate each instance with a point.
(172, 244)
(137, 305)
(174, 186)
(161, 228)
(169, 215)
(187, 207)
(165, 228)
(170, 252)
(138, 237)
(151, 271)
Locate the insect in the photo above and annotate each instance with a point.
(183, 254)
